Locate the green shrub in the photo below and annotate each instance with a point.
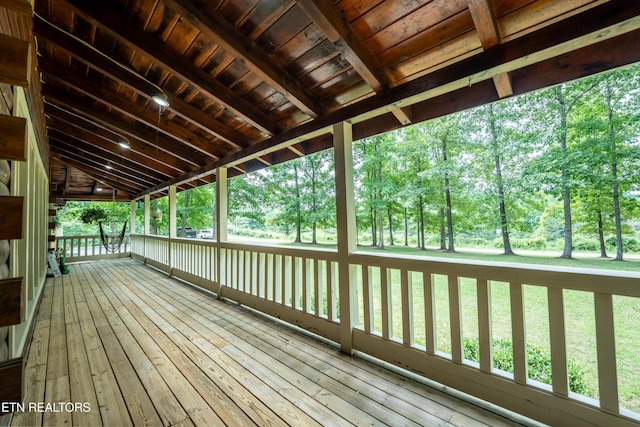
(629, 244)
(586, 244)
(538, 362)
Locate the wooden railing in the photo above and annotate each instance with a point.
(416, 313)
(86, 248)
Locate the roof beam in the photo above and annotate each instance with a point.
(93, 173)
(90, 143)
(74, 152)
(101, 14)
(161, 161)
(82, 52)
(245, 50)
(331, 22)
(152, 138)
(487, 28)
(104, 95)
(328, 18)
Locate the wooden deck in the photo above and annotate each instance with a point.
(127, 345)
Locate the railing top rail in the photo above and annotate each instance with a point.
(327, 254)
(614, 282)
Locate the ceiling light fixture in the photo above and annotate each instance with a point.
(161, 99)
(124, 144)
(108, 166)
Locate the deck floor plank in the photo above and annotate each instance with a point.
(207, 358)
(208, 390)
(144, 349)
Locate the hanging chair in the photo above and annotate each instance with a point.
(111, 236)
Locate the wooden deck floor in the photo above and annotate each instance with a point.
(126, 345)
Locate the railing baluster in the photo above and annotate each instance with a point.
(284, 280)
(555, 300)
(454, 318)
(406, 294)
(386, 303)
(316, 286)
(331, 291)
(295, 283)
(306, 295)
(606, 348)
(518, 334)
(367, 299)
(429, 323)
(484, 324)
(251, 276)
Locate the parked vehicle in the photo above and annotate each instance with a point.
(188, 232)
(207, 233)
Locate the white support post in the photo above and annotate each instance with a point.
(172, 212)
(132, 217)
(221, 226)
(147, 223)
(147, 214)
(221, 205)
(346, 225)
(132, 224)
(172, 226)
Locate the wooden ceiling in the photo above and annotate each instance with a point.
(252, 83)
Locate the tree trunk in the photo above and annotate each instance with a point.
(379, 213)
(374, 232)
(504, 225)
(391, 242)
(614, 176)
(443, 230)
(447, 193)
(314, 229)
(603, 247)
(297, 205)
(421, 243)
(566, 191)
(406, 227)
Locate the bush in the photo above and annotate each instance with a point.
(586, 244)
(538, 362)
(629, 244)
(534, 243)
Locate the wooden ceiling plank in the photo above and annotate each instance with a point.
(134, 81)
(67, 148)
(100, 14)
(67, 180)
(100, 93)
(93, 173)
(153, 140)
(244, 49)
(84, 141)
(333, 25)
(91, 56)
(165, 162)
(143, 114)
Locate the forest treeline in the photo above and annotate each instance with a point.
(557, 169)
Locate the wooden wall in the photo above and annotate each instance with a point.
(23, 194)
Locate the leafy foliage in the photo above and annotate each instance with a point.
(538, 362)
